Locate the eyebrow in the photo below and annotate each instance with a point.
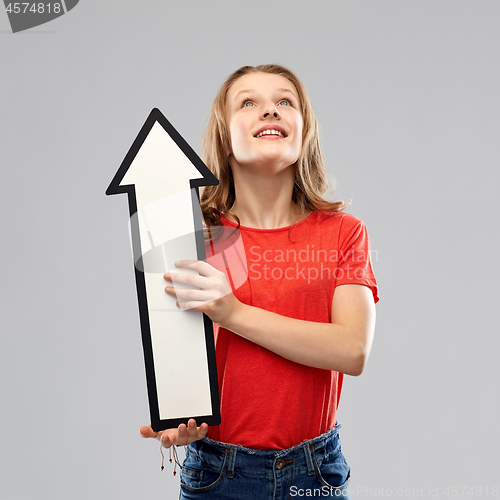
(252, 90)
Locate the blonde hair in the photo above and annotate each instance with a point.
(310, 173)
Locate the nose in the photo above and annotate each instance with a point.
(271, 110)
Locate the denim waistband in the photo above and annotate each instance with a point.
(248, 461)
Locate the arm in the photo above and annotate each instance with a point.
(342, 345)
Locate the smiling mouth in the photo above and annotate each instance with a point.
(270, 132)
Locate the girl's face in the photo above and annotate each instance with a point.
(264, 121)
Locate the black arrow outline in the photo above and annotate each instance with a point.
(114, 188)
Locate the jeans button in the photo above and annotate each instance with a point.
(280, 464)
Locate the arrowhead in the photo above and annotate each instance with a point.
(160, 162)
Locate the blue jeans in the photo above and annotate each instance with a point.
(223, 471)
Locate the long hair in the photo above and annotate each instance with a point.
(310, 173)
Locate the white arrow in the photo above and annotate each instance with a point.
(161, 175)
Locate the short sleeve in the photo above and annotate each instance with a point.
(354, 258)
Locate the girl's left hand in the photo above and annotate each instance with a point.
(214, 296)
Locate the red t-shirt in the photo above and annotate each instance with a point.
(267, 401)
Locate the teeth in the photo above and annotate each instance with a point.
(270, 132)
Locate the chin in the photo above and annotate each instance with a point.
(275, 161)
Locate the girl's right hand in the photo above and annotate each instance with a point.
(181, 436)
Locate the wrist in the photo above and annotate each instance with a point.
(236, 310)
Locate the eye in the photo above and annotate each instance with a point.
(288, 102)
(246, 102)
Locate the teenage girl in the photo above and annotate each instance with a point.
(304, 317)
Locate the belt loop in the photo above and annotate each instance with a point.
(309, 459)
(231, 459)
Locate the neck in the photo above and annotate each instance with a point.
(265, 202)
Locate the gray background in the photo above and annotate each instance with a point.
(407, 97)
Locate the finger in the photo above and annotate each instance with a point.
(202, 430)
(189, 294)
(193, 280)
(195, 305)
(199, 305)
(147, 432)
(192, 430)
(190, 305)
(182, 435)
(198, 265)
(166, 440)
(168, 437)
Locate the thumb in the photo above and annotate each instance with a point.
(147, 432)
